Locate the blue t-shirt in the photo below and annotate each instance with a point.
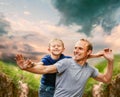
(49, 79)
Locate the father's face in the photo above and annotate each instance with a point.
(80, 51)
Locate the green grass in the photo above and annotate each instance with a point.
(101, 67)
(15, 74)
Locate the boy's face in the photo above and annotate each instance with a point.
(56, 48)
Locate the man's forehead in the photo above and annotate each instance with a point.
(81, 43)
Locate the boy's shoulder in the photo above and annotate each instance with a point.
(46, 57)
(64, 56)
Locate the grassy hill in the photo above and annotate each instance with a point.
(101, 67)
(16, 74)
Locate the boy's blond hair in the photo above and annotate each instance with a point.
(55, 39)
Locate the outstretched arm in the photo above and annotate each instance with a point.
(37, 68)
(107, 76)
(98, 54)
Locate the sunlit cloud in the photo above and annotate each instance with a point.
(114, 39)
(27, 13)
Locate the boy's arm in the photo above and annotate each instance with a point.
(37, 68)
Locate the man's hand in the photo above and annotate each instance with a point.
(108, 55)
(22, 63)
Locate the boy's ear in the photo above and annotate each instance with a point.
(63, 49)
(48, 49)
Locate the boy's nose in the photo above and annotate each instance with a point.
(56, 46)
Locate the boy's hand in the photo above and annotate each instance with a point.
(22, 63)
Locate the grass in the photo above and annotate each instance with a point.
(15, 74)
(101, 67)
(33, 80)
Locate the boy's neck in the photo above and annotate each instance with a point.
(55, 57)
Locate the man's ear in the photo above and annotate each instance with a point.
(89, 52)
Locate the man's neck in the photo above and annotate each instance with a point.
(81, 62)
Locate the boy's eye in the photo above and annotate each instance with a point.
(58, 45)
(55, 46)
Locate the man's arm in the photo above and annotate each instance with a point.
(107, 76)
(37, 68)
(42, 69)
(98, 54)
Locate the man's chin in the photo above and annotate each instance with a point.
(76, 59)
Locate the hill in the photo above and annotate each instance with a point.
(101, 67)
(11, 74)
(11, 77)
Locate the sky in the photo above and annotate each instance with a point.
(26, 26)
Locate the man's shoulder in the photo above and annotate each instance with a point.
(90, 66)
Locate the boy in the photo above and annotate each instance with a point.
(47, 85)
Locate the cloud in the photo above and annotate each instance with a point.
(113, 40)
(16, 38)
(31, 38)
(27, 13)
(4, 25)
(89, 13)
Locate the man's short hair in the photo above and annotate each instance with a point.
(89, 45)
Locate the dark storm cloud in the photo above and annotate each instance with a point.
(89, 13)
(2, 46)
(30, 52)
(4, 25)
(8, 57)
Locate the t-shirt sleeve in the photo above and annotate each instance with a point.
(45, 60)
(95, 73)
(62, 65)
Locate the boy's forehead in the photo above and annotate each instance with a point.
(56, 42)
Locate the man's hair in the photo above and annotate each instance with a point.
(55, 39)
(89, 45)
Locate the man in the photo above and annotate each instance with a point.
(73, 73)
